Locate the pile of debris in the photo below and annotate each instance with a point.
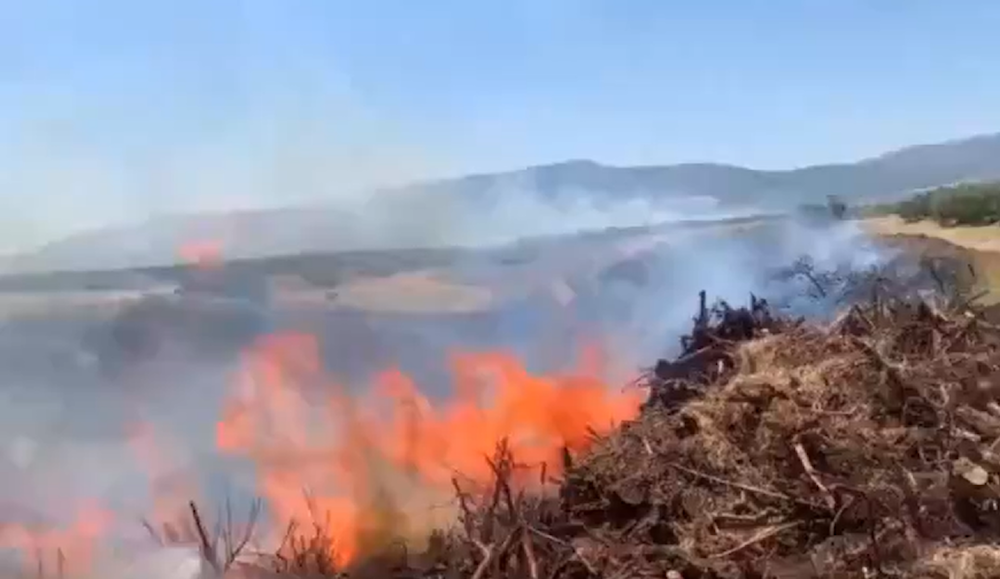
(706, 353)
(774, 448)
(868, 448)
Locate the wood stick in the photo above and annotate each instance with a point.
(742, 486)
(529, 553)
(207, 550)
(492, 554)
(763, 534)
(800, 451)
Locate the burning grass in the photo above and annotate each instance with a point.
(770, 448)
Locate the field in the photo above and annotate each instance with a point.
(88, 354)
(979, 246)
(985, 238)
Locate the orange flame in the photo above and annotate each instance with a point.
(375, 467)
(72, 549)
(170, 490)
(395, 453)
(203, 254)
(68, 550)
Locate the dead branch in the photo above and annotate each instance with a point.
(807, 466)
(206, 546)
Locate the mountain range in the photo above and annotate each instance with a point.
(555, 198)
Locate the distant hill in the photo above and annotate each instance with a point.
(890, 175)
(548, 199)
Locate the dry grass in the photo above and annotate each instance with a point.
(954, 562)
(979, 238)
(412, 292)
(978, 246)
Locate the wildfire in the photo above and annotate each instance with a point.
(372, 468)
(203, 254)
(170, 490)
(375, 466)
(60, 551)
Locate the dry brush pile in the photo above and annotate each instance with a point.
(863, 449)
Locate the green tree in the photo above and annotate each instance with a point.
(966, 204)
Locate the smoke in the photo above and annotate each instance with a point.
(643, 320)
(413, 216)
(301, 168)
(485, 211)
(79, 161)
(291, 163)
(299, 163)
(73, 428)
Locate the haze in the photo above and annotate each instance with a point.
(115, 111)
(293, 131)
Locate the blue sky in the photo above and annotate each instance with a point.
(111, 110)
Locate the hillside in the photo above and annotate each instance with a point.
(549, 199)
(887, 175)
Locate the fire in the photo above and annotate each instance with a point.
(374, 465)
(62, 550)
(77, 547)
(170, 490)
(203, 254)
(369, 469)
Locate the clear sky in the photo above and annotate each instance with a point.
(111, 110)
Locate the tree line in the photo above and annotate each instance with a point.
(964, 204)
